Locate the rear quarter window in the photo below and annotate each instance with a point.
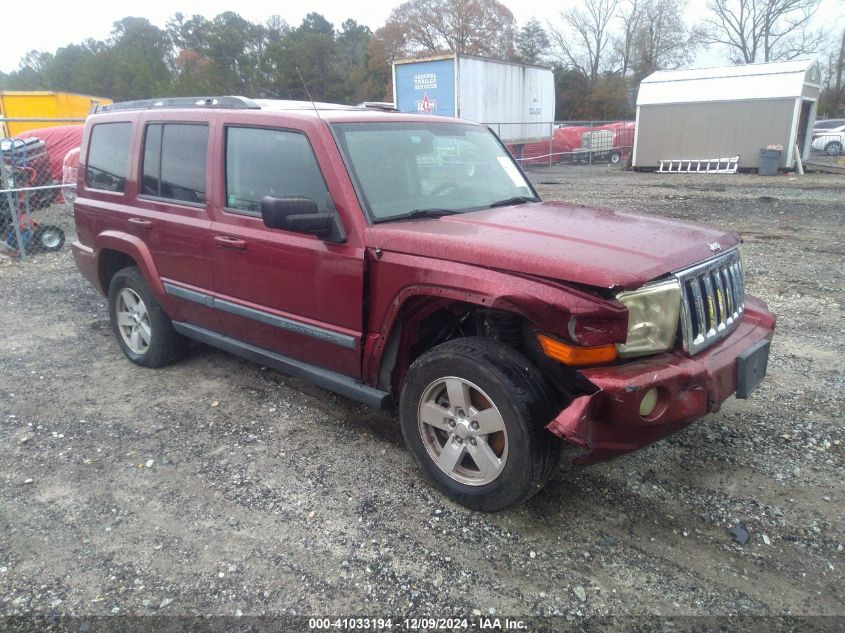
(108, 156)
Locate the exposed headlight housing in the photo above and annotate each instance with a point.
(653, 312)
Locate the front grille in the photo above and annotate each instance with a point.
(712, 300)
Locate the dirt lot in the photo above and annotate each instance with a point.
(218, 487)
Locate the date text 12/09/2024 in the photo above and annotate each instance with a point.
(417, 624)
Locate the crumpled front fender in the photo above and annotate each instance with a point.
(607, 422)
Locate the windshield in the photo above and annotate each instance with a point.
(414, 169)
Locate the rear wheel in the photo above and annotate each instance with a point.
(472, 412)
(834, 148)
(143, 331)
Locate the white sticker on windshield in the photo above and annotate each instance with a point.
(512, 171)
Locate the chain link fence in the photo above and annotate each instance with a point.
(37, 186)
(581, 145)
(828, 148)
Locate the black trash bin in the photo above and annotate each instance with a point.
(769, 162)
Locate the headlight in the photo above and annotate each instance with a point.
(653, 312)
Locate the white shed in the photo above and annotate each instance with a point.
(727, 111)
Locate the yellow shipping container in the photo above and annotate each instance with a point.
(43, 105)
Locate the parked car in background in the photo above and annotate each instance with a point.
(406, 261)
(827, 126)
(829, 136)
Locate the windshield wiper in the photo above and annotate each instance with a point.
(420, 213)
(514, 200)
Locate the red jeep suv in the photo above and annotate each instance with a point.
(406, 261)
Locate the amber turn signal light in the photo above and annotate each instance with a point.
(574, 355)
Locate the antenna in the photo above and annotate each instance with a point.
(308, 93)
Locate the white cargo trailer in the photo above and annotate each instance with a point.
(516, 100)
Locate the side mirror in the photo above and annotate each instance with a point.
(301, 215)
(275, 211)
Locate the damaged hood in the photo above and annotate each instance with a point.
(595, 247)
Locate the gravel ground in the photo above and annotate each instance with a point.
(219, 487)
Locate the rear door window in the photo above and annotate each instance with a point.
(265, 162)
(174, 162)
(108, 156)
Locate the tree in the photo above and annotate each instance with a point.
(476, 27)
(234, 45)
(762, 30)
(571, 94)
(225, 55)
(832, 98)
(309, 50)
(353, 56)
(386, 46)
(531, 43)
(630, 16)
(136, 55)
(609, 99)
(584, 41)
(662, 40)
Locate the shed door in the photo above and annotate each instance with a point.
(803, 125)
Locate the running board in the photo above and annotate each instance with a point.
(331, 380)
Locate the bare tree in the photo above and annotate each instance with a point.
(480, 27)
(662, 40)
(584, 41)
(763, 30)
(630, 15)
(832, 98)
(840, 69)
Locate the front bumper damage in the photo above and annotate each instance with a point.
(607, 422)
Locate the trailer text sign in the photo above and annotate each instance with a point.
(426, 87)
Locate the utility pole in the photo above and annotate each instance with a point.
(840, 70)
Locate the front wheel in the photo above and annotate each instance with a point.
(143, 330)
(834, 148)
(472, 413)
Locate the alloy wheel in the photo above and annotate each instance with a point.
(133, 321)
(463, 431)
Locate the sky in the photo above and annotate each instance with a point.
(46, 25)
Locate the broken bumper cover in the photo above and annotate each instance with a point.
(607, 422)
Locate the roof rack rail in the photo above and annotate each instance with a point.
(385, 106)
(229, 103)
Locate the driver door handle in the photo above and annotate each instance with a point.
(227, 241)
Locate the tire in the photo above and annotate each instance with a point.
(615, 158)
(47, 238)
(497, 386)
(834, 148)
(143, 330)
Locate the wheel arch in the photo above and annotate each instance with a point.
(116, 250)
(536, 304)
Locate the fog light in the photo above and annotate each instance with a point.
(648, 403)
